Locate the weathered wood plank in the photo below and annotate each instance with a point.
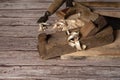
(19, 31)
(110, 13)
(102, 4)
(54, 78)
(31, 58)
(24, 13)
(36, 1)
(59, 72)
(24, 5)
(20, 60)
(51, 78)
(11, 43)
(43, 6)
(18, 21)
(21, 21)
(21, 13)
(26, 1)
(38, 13)
(103, 0)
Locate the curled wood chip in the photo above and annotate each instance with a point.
(43, 26)
(64, 25)
(73, 41)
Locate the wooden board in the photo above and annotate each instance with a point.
(19, 59)
(31, 58)
(47, 1)
(59, 73)
(43, 5)
(111, 50)
(20, 21)
(27, 65)
(110, 13)
(19, 31)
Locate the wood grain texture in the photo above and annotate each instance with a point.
(24, 5)
(37, 13)
(31, 58)
(23, 43)
(21, 13)
(59, 72)
(21, 21)
(39, 6)
(110, 13)
(12, 9)
(47, 1)
(26, 1)
(19, 59)
(19, 31)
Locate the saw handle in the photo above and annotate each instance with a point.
(44, 18)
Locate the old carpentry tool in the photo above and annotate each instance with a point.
(72, 38)
(68, 41)
(68, 36)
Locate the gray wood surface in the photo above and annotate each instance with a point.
(60, 72)
(19, 31)
(19, 59)
(31, 58)
(31, 1)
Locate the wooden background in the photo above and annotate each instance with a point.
(20, 60)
